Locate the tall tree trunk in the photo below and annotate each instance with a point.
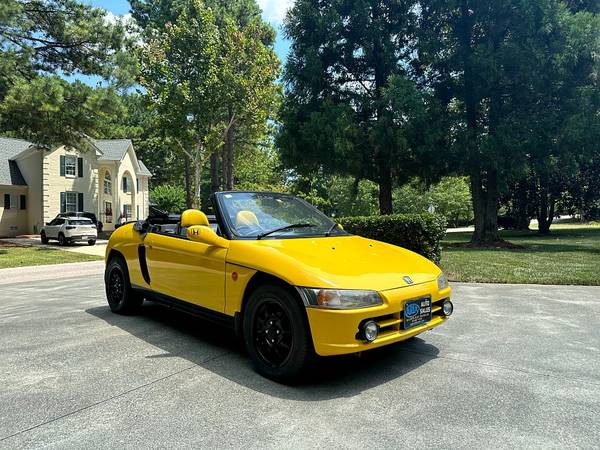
(485, 207)
(187, 181)
(198, 177)
(520, 207)
(483, 185)
(546, 205)
(385, 189)
(215, 183)
(228, 151)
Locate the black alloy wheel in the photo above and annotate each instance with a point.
(272, 334)
(115, 290)
(121, 297)
(276, 333)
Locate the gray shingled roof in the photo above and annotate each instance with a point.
(143, 169)
(112, 149)
(9, 170)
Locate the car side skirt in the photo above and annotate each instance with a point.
(188, 308)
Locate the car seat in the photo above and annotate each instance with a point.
(189, 218)
(246, 218)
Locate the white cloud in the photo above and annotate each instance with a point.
(274, 10)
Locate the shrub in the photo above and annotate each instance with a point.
(168, 198)
(420, 233)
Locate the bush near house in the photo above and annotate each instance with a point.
(421, 233)
(168, 197)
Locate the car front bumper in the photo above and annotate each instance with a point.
(336, 332)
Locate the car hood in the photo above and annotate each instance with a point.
(343, 262)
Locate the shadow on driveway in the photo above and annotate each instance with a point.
(181, 335)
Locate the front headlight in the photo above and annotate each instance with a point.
(442, 281)
(340, 298)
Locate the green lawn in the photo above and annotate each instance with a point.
(17, 256)
(569, 255)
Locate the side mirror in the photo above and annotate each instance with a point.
(205, 235)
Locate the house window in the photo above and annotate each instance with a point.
(127, 211)
(7, 201)
(107, 184)
(70, 201)
(126, 185)
(108, 211)
(23, 201)
(70, 165)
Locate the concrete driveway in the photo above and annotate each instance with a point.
(516, 367)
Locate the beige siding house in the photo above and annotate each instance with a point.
(36, 184)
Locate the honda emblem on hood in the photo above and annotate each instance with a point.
(408, 279)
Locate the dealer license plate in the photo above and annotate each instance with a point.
(417, 312)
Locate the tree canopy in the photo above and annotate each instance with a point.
(41, 41)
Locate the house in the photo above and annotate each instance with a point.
(38, 183)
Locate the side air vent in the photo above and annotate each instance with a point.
(143, 264)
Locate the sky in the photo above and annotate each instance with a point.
(273, 12)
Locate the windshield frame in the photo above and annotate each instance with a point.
(227, 226)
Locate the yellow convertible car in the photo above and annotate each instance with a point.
(288, 279)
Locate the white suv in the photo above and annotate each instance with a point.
(70, 229)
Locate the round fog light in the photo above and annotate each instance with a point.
(370, 330)
(447, 308)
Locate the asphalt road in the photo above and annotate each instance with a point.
(516, 367)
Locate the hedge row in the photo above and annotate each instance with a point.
(420, 233)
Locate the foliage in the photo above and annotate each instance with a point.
(450, 197)
(258, 169)
(41, 39)
(168, 197)
(49, 110)
(337, 196)
(205, 78)
(420, 233)
(582, 193)
(508, 73)
(351, 107)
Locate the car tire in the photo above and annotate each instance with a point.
(276, 334)
(43, 238)
(61, 239)
(121, 298)
(92, 242)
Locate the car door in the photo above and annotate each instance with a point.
(185, 270)
(53, 227)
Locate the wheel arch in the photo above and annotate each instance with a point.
(115, 254)
(260, 279)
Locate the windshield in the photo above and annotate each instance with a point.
(272, 215)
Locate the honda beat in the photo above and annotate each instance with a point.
(289, 280)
